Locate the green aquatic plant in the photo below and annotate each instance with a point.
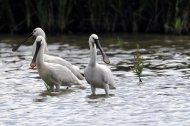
(149, 16)
(138, 63)
(42, 13)
(47, 83)
(120, 42)
(64, 18)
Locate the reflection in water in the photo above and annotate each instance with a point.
(162, 98)
(40, 99)
(97, 96)
(61, 92)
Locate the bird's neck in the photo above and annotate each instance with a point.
(40, 57)
(34, 48)
(93, 55)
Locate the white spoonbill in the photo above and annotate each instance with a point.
(48, 58)
(98, 76)
(53, 74)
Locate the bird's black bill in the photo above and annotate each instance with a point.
(105, 58)
(33, 63)
(19, 44)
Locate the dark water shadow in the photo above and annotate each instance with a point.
(99, 96)
(40, 99)
(140, 83)
(43, 95)
(61, 92)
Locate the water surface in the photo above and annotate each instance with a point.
(162, 99)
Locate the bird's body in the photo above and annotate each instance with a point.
(74, 69)
(98, 76)
(54, 75)
(49, 58)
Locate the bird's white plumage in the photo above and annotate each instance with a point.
(39, 32)
(98, 76)
(53, 74)
(54, 59)
(74, 69)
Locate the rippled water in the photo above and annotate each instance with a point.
(162, 99)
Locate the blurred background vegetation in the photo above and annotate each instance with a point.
(103, 16)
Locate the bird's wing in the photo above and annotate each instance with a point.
(62, 74)
(107, 75)
(74, 69)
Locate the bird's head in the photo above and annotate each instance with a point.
(94, 42)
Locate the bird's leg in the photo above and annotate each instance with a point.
(57, 87)
(106, 88)
(69, 85)
(93, 89)
(51, 87)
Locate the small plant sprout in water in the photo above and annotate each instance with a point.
(138, 63)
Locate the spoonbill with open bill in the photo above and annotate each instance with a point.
(53, 74)
(48, 58)
(98, 76)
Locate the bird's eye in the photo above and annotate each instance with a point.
(95, 39)
(34, 31)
